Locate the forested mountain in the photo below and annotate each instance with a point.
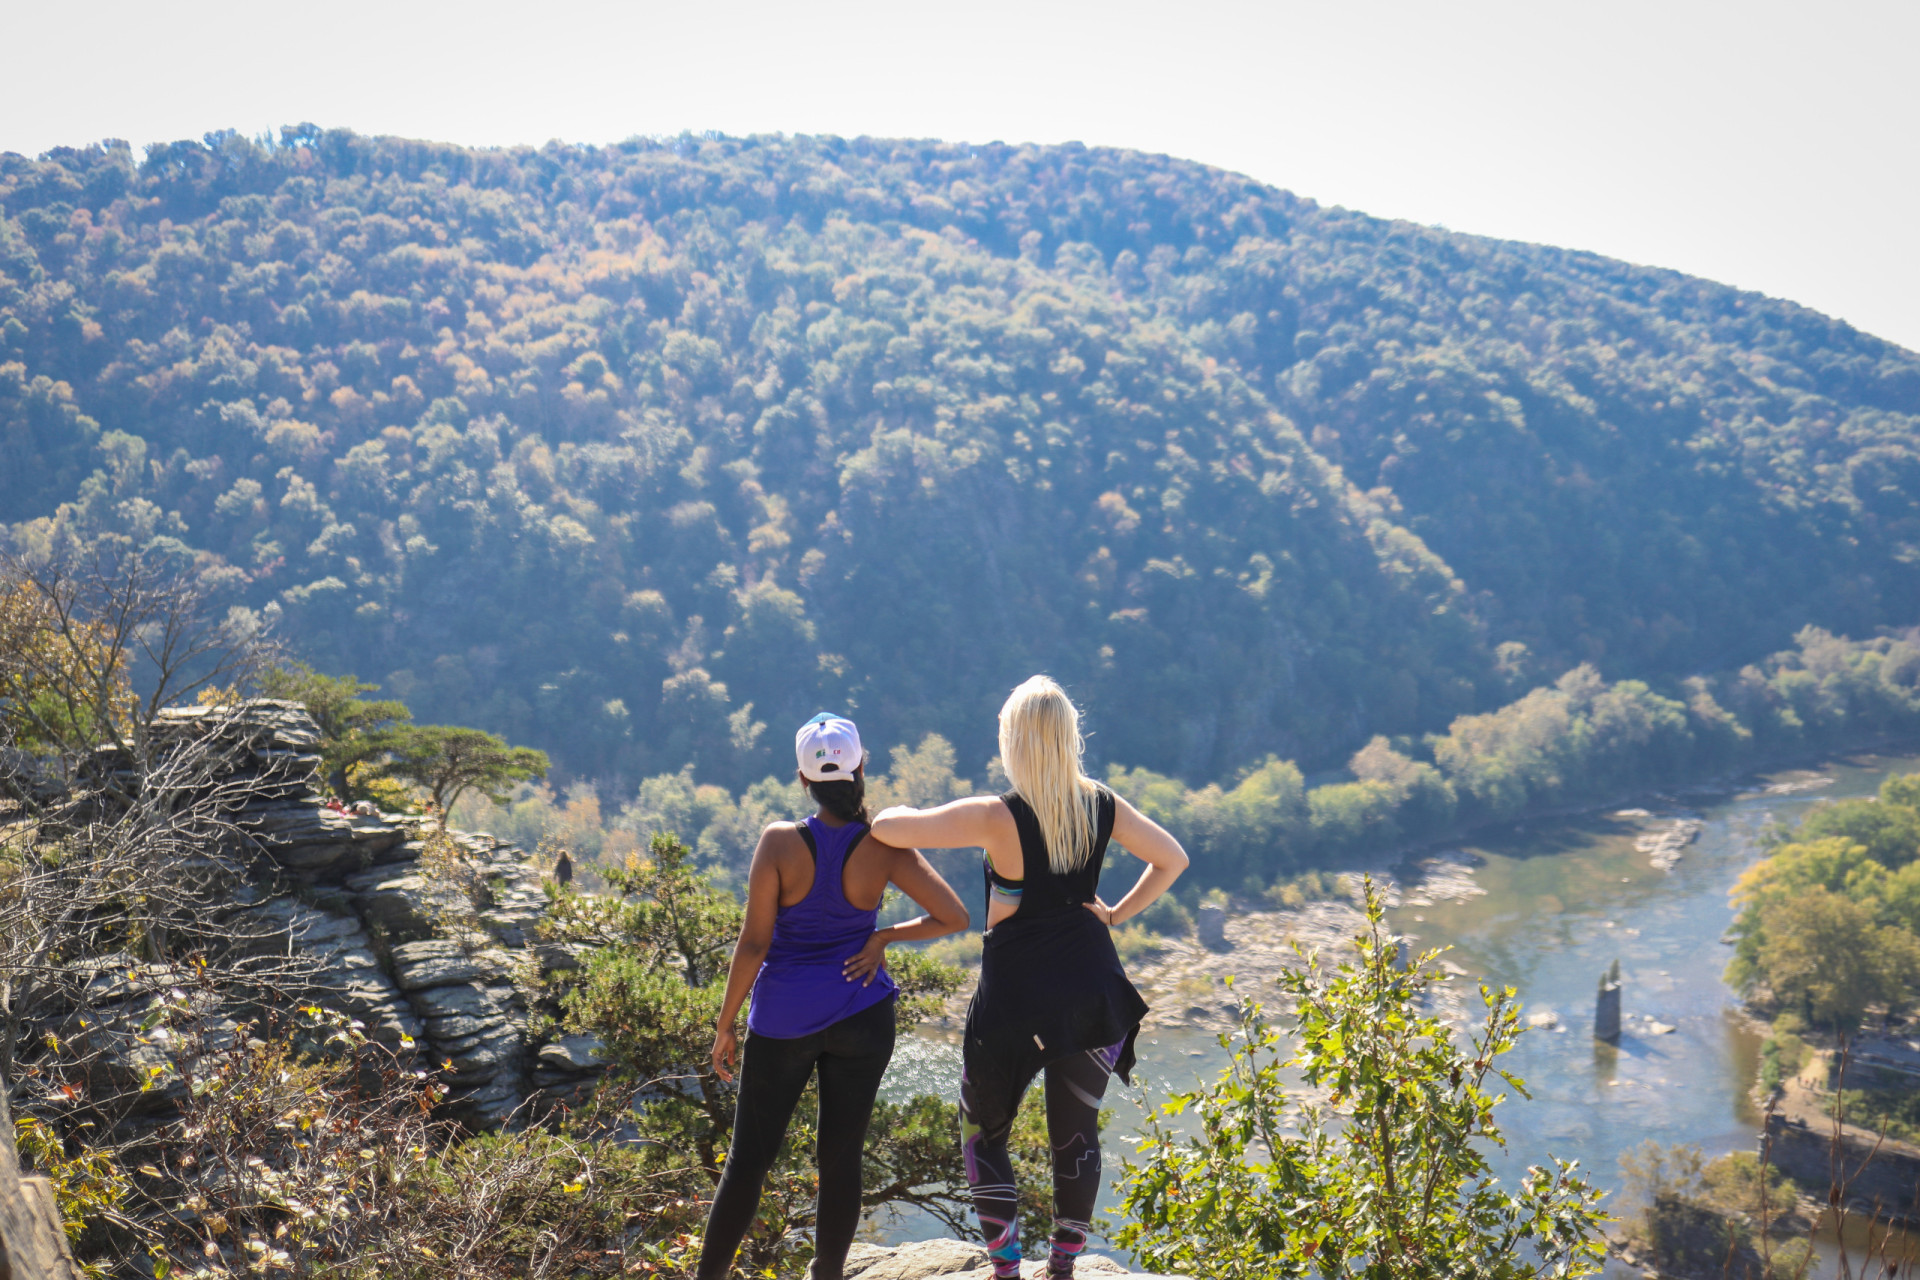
(642, 453)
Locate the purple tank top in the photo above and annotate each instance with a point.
(801, 988)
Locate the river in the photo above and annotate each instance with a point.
(1563, 899)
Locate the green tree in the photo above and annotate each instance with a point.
(351, 727)
(449, 760)
(1389, 1179)
(1824, 955)
(1887, 827)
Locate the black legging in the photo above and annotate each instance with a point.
(990, 1093)
(852, 1055)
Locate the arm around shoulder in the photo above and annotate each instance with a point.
(958, 824)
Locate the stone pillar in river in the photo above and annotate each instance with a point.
(1210, 922)
(1606, 1007)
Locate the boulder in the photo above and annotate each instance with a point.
(574, 1053)
(963, 1261)
(914, 1261)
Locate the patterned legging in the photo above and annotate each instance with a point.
(990, 1093)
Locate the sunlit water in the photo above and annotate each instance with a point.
(1564, 900)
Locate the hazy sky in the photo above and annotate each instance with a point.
(1769, 145)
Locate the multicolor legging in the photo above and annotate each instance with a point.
(990, 1093)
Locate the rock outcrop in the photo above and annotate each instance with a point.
(346, 899)
(962, 1261)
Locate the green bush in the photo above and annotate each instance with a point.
(1166, 917)
(1894, 1111)
(1136, 942)
(961, 950)
(1388, 1179)
(1293, 892)
(1783, 1052)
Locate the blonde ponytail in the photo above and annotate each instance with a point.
(1040, 747)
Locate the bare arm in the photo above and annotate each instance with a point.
(1150, 842)
(944, 913)
(958, 824)
(756, 935)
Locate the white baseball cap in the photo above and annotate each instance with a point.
(828, 747)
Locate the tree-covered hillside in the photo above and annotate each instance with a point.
(642, 453)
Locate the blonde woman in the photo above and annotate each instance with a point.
(1052, 996)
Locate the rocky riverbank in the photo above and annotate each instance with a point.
(1184, 979)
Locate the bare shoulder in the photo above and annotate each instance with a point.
(780, 841)
(994, 810)
(988, 816)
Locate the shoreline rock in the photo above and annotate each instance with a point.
(964, 1260)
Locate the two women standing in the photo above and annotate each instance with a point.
(1052, 996)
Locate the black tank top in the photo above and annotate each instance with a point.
(1051, 983)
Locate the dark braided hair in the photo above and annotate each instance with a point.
(844, 798)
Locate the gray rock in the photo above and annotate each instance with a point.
(395, 1030)
(428, 949)
(1210, 925)
(504, 1037)
(306, 819)
(914, 1261)
(440, 1002)
(439, 973)
(356, 959)
(489, 1104)
(963, 1261)
(312, 857)
(460, 1025)
(397, 905)
(459, 1044)
(306, 926)
(418, 966)
(393, 868)
(574, 1053)
(305, 835)
(481, 1062)
(559, 957)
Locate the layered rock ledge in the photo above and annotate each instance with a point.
(346, 897)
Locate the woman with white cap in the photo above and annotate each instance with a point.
(822, 998)
(1053, 996)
